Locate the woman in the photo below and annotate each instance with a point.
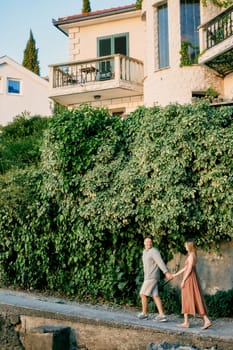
(191, 294)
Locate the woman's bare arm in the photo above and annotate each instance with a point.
(189, 266)
(179, 272)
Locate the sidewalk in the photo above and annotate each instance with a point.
(221, 331)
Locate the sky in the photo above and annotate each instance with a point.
(18, 17)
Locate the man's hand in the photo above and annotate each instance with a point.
(169, 276)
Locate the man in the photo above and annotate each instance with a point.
(152, 264)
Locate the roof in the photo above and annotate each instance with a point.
(7, 60)
(94, 14)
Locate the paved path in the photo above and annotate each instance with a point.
(222, 328)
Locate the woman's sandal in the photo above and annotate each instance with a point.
(183, 325)
(206, 326)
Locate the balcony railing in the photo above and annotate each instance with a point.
(97, 70)
(219, 29)
(216, 43)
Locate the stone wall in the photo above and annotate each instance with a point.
(214, 268)
(92, 335)
(9, 337)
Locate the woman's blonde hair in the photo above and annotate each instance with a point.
(191, 246)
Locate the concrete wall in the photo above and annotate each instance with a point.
(99, 335)
(214, 268)
(125, 104)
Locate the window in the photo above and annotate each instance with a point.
(163, 36)
(13, 86)
(118, 112)
(190, 20)
(111, 45)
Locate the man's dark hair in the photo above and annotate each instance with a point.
(148, 237)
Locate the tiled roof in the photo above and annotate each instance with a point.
(98, 13)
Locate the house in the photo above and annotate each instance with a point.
(182, 63)
(106, 54)
(167, 52)
(21, 91)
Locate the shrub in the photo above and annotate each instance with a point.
(220, 304)
(76, 223)
(20, 142)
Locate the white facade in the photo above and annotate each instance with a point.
(21, 91)
(175, 83)
(180, 22)
(84, 33)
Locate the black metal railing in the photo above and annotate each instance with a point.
(220, 28)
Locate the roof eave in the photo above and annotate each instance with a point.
(92, 15)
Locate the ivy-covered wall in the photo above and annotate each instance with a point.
(75, 223)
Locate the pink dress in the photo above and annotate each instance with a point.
(191, 295)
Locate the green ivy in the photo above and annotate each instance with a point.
(185, 58)
(220, 3)
(139, 4)
(76, 223)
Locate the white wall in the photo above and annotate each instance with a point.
(83, 39)
(173, 83)
(228, 87)
(33, 98)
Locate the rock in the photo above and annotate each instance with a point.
(170, 346)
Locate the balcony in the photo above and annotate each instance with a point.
(216, 39)
(103, 78)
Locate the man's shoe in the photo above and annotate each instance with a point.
(160, 318)
(142, 316)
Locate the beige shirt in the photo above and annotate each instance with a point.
(152, 264)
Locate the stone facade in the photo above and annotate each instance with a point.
(175, 84)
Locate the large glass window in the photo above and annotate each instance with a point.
(13, 86)
(190, 20)
(163, 36)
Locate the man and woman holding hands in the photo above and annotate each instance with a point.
(191, 293)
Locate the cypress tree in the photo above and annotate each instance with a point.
(30, 59)
(139, 4)
(86, 6)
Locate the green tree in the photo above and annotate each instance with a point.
(20, 142)
(30, 59)
(86, 6)
(58, 108)
(139, 4)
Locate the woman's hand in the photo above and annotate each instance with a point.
(169, 276)
(182, 284)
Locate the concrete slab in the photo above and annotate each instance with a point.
(221, 333)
